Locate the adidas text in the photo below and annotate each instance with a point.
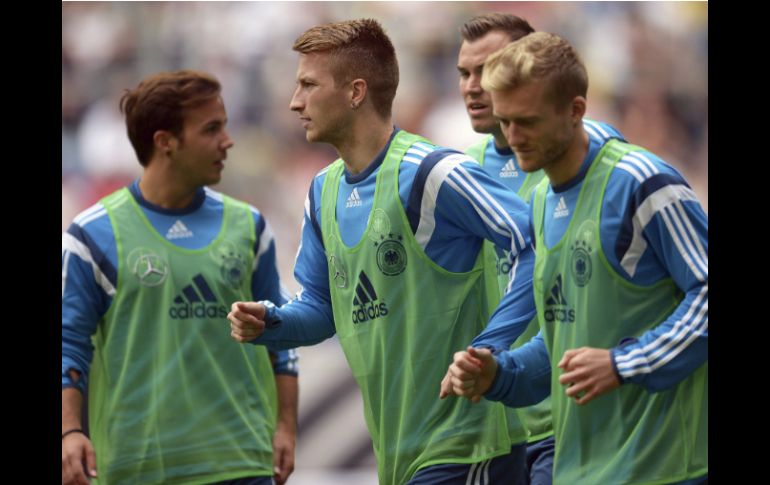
(369, 311)
(197, 310)
(564, 315)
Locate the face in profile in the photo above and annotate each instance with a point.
(470, 64)
(323, 108)
(203, 146)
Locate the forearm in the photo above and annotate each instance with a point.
(669, 353)
(523, 375)
(288, 396)
(71, 409)
(299, 323)
(516, 309)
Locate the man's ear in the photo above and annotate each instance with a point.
(358, 89)
(578, 108)
(165, 142)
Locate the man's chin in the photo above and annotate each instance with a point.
(528, 163)
(483, 127)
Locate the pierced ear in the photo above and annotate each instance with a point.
(358, 89)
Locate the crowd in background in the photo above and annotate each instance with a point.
(648, 65)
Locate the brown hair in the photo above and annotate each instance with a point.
(159, 102)
(479, 26)
(359, 49)
(538, 57)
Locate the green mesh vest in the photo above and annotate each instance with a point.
(628, 435)
(400, 318)
(497, 267)
(172, 398)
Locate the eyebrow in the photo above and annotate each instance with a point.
(214, 123)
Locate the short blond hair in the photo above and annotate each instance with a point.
(358, 49)
(537, 57)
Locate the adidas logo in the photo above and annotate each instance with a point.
(557, 308)
(365, 306)
(178, 231)
(354, 200)
(197, 301)
(561, 209)
(509, 170)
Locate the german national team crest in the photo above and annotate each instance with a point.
(582, 248)
(391, 255)
(232, 263)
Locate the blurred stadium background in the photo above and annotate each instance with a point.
(648, 71)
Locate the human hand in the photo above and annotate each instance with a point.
(246, 320)
(470, 375)
(588, 373)
(77, 456)
(283, 455)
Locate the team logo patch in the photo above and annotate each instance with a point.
(583, 246)
(391, 255)
(336, 266)
(197, 300)
(232, 262)
(339, 275)
(367, 306)
(149, 268)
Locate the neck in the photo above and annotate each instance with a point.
(366, 138)
(161, 187)
(565, 167)
(499, 137)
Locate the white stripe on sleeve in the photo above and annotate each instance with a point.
(69, 243)
(653, 204)
(670, 344)
(436, 178)
(494, 203)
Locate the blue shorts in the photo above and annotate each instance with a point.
(540, 461)
(247, 481)
(510, 469)
(704, 480)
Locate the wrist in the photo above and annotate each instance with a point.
(72, 431)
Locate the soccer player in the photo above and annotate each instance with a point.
(148, 275)
(390, 263)
(482, 35)
(621, 286)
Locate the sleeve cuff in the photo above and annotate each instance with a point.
(496, 391)
(272, 318)
(615, 366)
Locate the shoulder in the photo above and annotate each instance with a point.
(600, 130)
(428, 159)
(641, 168)
(479, 146)
(642, 183)
(320, 177)
(91, 227)
(215, 201)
